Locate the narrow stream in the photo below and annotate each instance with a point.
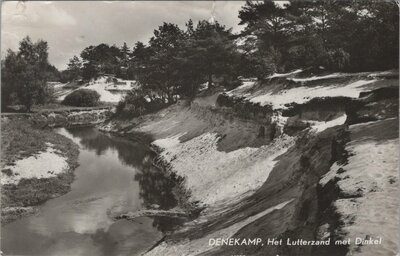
(114, 174)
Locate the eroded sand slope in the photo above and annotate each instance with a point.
(289, 158)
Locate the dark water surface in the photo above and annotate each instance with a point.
(114, 174)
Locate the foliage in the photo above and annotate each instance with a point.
(136, 103)
(339, 35)
(74, 69)
(215, 48)
(100, 59)
(140, 58)
(177, 62)
(161, 74)
(82, 98)
(25, 74)
(52, 73)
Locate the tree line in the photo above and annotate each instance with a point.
(334, 35)
(337, 35)
(175, 61)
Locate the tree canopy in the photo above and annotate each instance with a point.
(339, 35)
(25, 74)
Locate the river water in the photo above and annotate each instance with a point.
(114, 174)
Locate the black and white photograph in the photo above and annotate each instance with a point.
(212, 128)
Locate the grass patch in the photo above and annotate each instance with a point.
(20, 139)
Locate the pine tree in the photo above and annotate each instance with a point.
(217, 50)
(140, 59)
(161, 73)
(74, 68)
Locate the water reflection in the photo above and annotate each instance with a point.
(113, 174)
(129, 153)
(156, 187)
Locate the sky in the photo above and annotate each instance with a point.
(70, 26)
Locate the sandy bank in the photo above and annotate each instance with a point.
(37, 165)
(46, 164)
(368, 187)
(199, 246)
(287, 90)
(240, 161)
(214, 176)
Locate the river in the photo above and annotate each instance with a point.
(114, 175)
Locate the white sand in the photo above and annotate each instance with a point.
(314, 78)
(198, 246)
(105, 95)
(168, 142)
(303, 94)
(322, 126)
(57, 85)
(123, 85)
(278, 97)
(246, 85)
(102, 87)
(372, 173)
(42, 165)
(285, 74)
(393, 72)
(214, 176)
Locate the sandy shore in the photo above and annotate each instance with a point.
(37, 165)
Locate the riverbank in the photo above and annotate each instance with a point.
(37, 165)
(252, 159)
(114, 175)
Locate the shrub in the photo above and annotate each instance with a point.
(231, 83)
(135, 104)
(7, 172)
(111, 80)
(82, 98)
(120, 107)
(337, 59)
(46, 95)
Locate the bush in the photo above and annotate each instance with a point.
(82, 98)
(337, 59)
(231, 83)
(46, 95)
(120, 107)
(135, 104)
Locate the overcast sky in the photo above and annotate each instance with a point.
(68, 27)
